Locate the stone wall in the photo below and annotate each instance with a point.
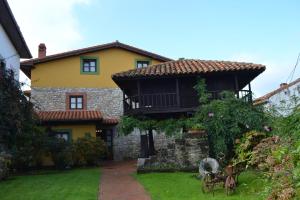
(107, 100)
(128, 147)
(177, 154)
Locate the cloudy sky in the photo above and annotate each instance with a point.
(265, 32)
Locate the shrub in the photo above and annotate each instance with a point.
(88, 151)
(277, 158)
(5, 161)
(29, 150)
(61, 152)
(244, 148)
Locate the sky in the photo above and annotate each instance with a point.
(265, 32)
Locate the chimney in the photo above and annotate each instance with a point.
(42, 50)
(283, 84)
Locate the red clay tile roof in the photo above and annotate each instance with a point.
(188, 66)
(76, 115)
(110, 121)
(264, 98)
(26, 65)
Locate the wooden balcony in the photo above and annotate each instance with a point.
(171, 102)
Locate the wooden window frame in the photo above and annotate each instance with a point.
(76, 94)
(83, 58)
(142, 60)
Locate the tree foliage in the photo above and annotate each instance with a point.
(19, 133)
(168, 126)
(228, 119)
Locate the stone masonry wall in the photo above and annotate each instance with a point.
(177, 154)
(128, 147)
(107, 100)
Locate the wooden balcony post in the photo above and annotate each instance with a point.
(236, 84)
(124, 103)
(177, 93)
(151, 142)
(250, 92)
(139, 93)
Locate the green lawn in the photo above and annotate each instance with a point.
(184, 186)
(77, 184)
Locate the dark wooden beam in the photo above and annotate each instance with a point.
(139, 92)
(151, 142)
(236, 84)
(144, 146)
(250, 91)
(177, 93)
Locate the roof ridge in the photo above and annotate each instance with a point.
(91, 48)
(201, 66)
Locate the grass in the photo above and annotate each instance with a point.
(77, 184)
(180, 185)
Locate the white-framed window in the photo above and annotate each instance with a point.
(76, 102)
(89, 65)
(64, 136)
(142, 63)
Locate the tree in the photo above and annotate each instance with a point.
(226, 120)
(19, 132)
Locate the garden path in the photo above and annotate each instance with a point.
(117, 182)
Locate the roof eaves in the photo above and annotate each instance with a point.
(11, 27)
(93, 49)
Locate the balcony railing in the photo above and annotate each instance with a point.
(172, 101)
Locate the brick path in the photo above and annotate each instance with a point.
(117, 182)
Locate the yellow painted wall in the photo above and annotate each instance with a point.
(66, 72)
(78, 130)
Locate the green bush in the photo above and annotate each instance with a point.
(5, 161)
(88, 151)
(244, 148)
(61, 152)
(29, 149)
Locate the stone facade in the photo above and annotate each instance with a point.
(107, 100)
(177, 154)
(182, 153)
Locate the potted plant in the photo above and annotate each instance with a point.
(194, 127)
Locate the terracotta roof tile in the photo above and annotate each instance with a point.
(76, 115)
(264, 98)
(110, 121)
(189, 66)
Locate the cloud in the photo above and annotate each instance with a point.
(52, 22)
(276, 72)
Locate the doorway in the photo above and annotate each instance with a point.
(107, 136)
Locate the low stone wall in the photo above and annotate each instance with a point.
(128, 147)
(177, 155)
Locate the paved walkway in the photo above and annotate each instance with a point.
(117, 182)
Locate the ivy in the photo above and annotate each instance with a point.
(169, 126)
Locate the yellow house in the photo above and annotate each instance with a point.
(75, 96)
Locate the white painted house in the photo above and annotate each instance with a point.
(12, 43)
(284, 99)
